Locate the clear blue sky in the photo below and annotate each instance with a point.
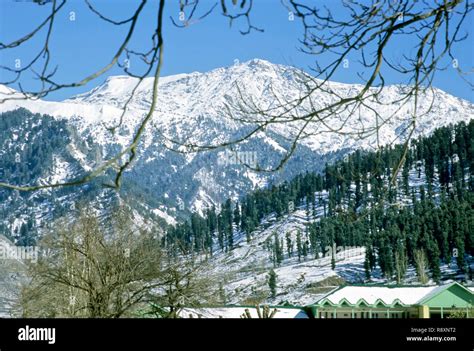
(79, 47)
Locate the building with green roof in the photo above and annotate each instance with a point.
(394, 302)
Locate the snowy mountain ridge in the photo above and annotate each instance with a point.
(191, 108)
(186, 101)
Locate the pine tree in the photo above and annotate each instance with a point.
(435, 270)
(366, 265)
(282, 249)
(289, 244)
(305, 249)
(405, 174)
(299, 247)
(220, 232)
(278, 250)
(308, 209)
(372, 258)
(228, 224)
(237, 215)
(461, 262)
(272, 283)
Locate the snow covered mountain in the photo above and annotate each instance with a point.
(191, 108)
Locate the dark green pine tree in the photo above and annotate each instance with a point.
(372, 258)
(305, 249)
(237, 215)
(433, 260)
(272, 283)
(460, 260)
(277, 250)
(386, 258)
(367, 268)
(299, 246)
(220, 231)
(228, 224)
(333, 260)
(405, 175)
(289, 244)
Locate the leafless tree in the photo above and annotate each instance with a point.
(362, 33)
(421, 263)
(187, 283)
(108, 270)
(93, 270)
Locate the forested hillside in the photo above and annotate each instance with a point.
(425, 217)
(32, 148)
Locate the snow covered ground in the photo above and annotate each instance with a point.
(237, 312)
(245, 269)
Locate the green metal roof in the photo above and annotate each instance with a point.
(464, 298)
(466, 295)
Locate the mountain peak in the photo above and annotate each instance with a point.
(259, 65)
(119, 79)
(258, 62)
